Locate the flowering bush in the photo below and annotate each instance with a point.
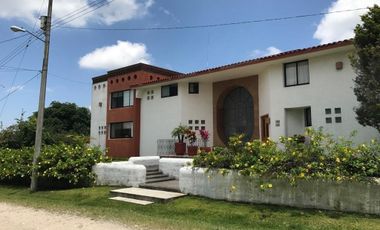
(191, 136)
(317, 156)
(68, 164)
(205, 136)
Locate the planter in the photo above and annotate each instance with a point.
(349, 196)
(206, 149)
(192, 150)
(180, 148)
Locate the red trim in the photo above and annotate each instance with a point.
(286, 54)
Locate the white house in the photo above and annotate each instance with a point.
(266, 97)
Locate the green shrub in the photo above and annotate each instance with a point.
(70, 165)
(314, 155)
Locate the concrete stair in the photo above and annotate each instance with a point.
(158, 187)
(153, 175)
(139, 195)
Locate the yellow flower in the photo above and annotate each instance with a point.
(309, 166)
(289, 138)
(233, 188)
(293, 153)
(302, 174)
(261, 186)
(337, 160)
(269, 185)
(338, 178)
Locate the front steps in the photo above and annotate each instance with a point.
(153, 175)
(158, 187)
(141, 194)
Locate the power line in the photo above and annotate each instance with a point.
(14, 79)
(11, 39)
(19, 88)
(215, 25)
(89, 9)
(67, 79)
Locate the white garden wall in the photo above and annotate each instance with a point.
(346, 196)
(171, 166)
(119, 174)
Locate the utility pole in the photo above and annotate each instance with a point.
(46, 27)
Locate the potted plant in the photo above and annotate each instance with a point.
(205, 135)
(179, 132)
(191, 136)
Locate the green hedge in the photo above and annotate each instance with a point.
(315, 155)
(67, 165)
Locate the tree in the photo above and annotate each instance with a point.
(366, 63)
(63, 122)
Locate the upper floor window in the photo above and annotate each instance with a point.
(122, 99)
(193, 87)
(121, 130)
(296, 73)
(169, 90)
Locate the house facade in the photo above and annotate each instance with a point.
(278, 95)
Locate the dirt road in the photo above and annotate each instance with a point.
(14, 217)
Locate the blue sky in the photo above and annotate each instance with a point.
(78, 55)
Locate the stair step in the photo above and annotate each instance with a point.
(164, 178)
(152, 168)
(131, 200)
(153, 172)
(146, 194)
(158, 175)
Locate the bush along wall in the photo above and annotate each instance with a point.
(58, 165)
(316, 155)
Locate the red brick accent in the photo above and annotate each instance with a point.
(126, 147)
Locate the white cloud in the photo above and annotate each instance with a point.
(267, 52)
(115, 56)
(15, 88)
(115, 11)
(339, 26)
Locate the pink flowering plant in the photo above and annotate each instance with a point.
(205, 136)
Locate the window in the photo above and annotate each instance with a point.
(338, 110)
(296, 73)
(307, 112)
(193, 87)
(122, 99)
(121, 130)
(169, 90)
(338, 119)
(327, 111)
(328, 120)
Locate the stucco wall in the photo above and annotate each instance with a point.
(158, 118)
(328, 88)
(98, 129)
(347, 196)
(198, 107)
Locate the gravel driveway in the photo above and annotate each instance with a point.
(14, 217)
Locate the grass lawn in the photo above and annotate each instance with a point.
(186, 213)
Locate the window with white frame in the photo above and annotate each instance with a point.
(121, 130)
(296, 73)
(122, 99)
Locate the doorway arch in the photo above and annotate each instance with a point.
(237, 114)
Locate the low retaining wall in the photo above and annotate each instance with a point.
(119, 174)
(330, 195)
(147, 161)
(171, 166)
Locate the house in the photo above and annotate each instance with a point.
(265, 97)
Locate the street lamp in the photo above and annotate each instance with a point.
(20, 29)
(45, 26)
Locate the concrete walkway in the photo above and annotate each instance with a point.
(14, 217)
